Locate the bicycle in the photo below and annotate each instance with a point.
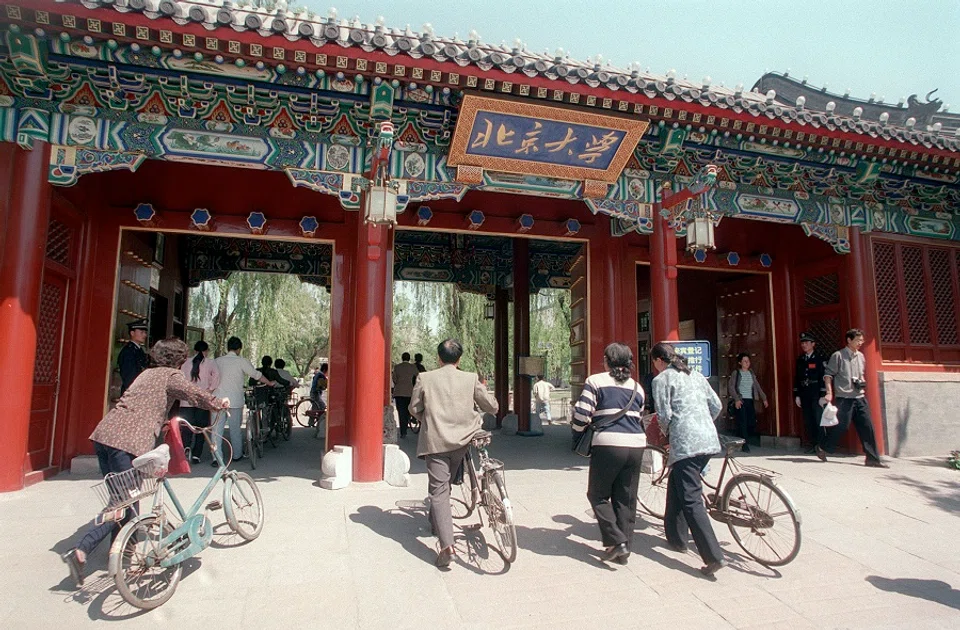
(253, 433)
(751, 503)
(485, 485)
(146, 558)
(307, 412)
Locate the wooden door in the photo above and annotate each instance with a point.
(579, 325)
(744, 325)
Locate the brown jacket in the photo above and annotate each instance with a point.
(733, 387)
(443, 401)
(134, 424)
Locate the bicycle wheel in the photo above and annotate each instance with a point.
(140, 579)
(762, 519)
(300, 413)
(286, 423)
(652, 492)
(243, 506)
(252, 438)
(269, 429)
(463, 497)
(500, 514)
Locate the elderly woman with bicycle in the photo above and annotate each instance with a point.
(131, 429)
(612, 403)
(686, 407)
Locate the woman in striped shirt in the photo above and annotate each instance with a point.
(617, 449)
(744, 388)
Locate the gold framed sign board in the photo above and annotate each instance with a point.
(529, 139)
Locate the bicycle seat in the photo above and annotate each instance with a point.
(733, 445)
(481, 434)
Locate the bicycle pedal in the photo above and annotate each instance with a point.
(214, 505)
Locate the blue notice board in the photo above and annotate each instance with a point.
(697, 354)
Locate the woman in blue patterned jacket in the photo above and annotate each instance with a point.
(686, 408)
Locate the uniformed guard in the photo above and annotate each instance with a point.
(808, 387)
(133, 358)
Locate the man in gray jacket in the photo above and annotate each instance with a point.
(443, 400)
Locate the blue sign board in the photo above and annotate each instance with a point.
(495, 134)
(697, 354)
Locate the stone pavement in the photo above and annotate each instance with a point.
(879, 550)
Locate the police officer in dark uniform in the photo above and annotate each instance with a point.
(808, 387)
(133, 358)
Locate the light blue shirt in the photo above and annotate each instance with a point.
(686, 407)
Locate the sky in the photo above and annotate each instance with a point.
(891, 48)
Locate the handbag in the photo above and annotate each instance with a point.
(178, 460)
(583, 443)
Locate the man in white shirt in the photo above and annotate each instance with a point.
(234, 371)
(280, 364)
(404, 374)
(541, 394)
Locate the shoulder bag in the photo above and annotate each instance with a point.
(583, 443)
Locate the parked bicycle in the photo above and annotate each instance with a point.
(146, 558)
(484, 484)
(760, 514)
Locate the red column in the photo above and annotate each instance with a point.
(373, 270)
(501, 353)
(521, 329)
(863, 315)
(21, 271)
(664, 307)
(789, 418)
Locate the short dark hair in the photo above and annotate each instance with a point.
(853, 333)
(619, 359)
(266, 361)
(449, 351)
(324, 367)
(418, 358)
(233, 344)
(741, 356)
(280, 363)
(170, 352)
(405, 356)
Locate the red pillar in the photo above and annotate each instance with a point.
(501, 353)
(373, 270)
(665, 310)
(21, 271)
(863, 315)
(789, 418)
(521, 329)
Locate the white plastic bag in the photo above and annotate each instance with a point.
(829, 417)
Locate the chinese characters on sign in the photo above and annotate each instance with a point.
(697, 354)
(552, 142)
(530, 139)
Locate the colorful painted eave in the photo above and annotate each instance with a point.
(218, 27)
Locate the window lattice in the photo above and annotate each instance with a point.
(888, 302)
(821, 290)
(944, 297)
(59, 242)
(914, 288)
(48, 333)
(827, 333)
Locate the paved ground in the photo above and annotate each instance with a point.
(879, 550)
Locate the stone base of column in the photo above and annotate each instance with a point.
(85, 465)
(509, 424)
(337, 468)
(396, 466)
(391, 420)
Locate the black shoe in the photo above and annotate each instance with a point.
(677, 548)
(811, 450)
(821, 454)
(445, 557)
(617, 551)
(874, 463)
(622, 559)
(214, 464)
(195, 460)
(712, 568)
(745, 448)
(74, 565)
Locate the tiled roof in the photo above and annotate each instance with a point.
(303, 25)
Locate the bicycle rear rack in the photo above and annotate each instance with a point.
(756, 470)
(120, 490)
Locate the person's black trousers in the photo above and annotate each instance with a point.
(612, 491)
(858, 410)
(403, 410)
(111, 460)
(685, 508)
(199, 418)
(746, 419)
(811, 410)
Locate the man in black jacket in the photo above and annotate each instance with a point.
(133, 358)
(808, 387)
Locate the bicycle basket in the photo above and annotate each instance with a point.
(492, 464)
(119, 490)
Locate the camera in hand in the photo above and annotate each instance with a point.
(859, 385)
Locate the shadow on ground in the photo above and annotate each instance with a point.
(932, 590)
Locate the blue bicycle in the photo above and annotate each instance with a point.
(145, 559)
